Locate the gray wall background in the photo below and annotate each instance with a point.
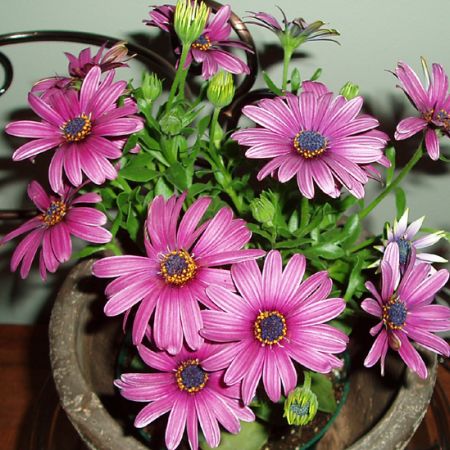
(374, 36)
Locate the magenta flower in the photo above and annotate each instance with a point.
(276, 319)
(206, 50)
(79, 67)
(78, 125)
(192, 394)
(402, 236)
(432, 103)
(59, 218)
(316, 138)
(404, 307)
(162, 17)
(181, 262)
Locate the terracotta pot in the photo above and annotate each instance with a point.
(380, 413)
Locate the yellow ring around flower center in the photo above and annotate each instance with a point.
(178, 267)
(394, 313)
(270, 327)
(77, 129)
(54, 214)
(190, 376)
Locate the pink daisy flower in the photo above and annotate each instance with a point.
(404, 307)
(316, 138)
(60, 218)
(433, 104)
(87, 129)
(192, 394)
(402, 236)
(181, 262)
(79, 67)
(206, 50)
(276, 318)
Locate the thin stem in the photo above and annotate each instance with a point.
(286, 61)
(212, 132)
(180, 76)
(307, 381)
(411, 163)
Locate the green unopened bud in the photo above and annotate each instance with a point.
(301, 404)
(151, 86)
(171, 123)
(221, 89)
(263, 210)
(190, 20)
(349, 90)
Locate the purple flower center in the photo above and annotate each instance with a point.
(54, 214)
(190, 376)
(394, 313)
(77, 129)
(309, 144)
(202, 43)
(270, 327)
(178, 267)
(444, 117)
(404, 249)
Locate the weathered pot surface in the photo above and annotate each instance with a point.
(378, 414)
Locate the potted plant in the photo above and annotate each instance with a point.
(241, 289)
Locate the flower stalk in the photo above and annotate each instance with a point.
(402, 174)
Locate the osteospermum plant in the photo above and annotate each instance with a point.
(236, 257)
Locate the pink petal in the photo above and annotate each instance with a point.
(167, 327)
(411, 357)
(115, 266)
(432, 144)
(35, 147)
(176, 423)
(271, 378)
(378, 350)
(154, 410)
(31, 129)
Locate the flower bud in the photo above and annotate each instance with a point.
(151, 86)
(221, 89)
(349, 90)
(300, 406)
(190, 20)
(263, 210)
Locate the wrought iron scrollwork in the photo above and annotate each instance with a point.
(146, 56)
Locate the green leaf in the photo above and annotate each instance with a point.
(139, 174)
(327, 250)
(390, 154)
(88, 251)
(253, 436)
(400, 201)
(293, 222)
(180, 176)
(132, 225)
(356, 280)
(316, 75)
(351, 230)
(163, 189)
(296, 80)
(203, 125)
(322, 386)
(271, 85)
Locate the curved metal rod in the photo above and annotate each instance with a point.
(8, 69)
(142, 54)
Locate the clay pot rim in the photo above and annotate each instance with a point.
(88, 415)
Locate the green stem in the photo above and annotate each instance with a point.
(180, 76)
(307, 381)
(212, 132)
(286, 61)
(374, 203)
(216, 160)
